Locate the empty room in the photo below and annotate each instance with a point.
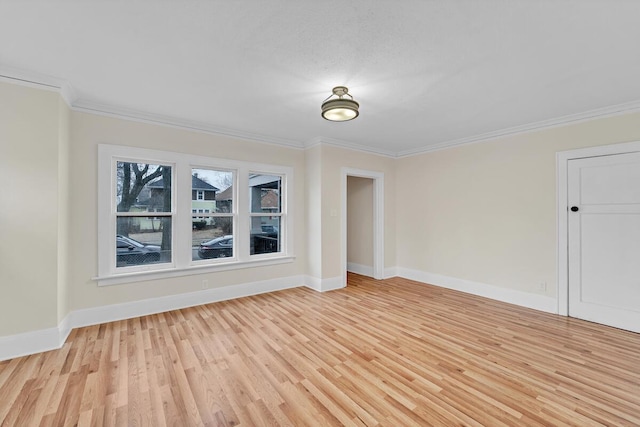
(297, 213)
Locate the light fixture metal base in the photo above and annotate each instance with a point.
(340, 109)
(341, 91)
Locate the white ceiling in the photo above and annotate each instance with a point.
(427, 74)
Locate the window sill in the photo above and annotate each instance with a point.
(140, 276)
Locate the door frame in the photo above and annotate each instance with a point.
(562, 204)
(378, 220)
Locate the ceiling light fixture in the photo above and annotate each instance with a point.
(340, 109)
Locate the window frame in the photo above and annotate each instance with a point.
(182, 263)
(279, 214)
(233, 214)
(160, 213)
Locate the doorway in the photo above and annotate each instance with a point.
(599, 218)
(364, 181)
(360, 225)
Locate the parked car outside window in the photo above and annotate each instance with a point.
(220, 247)
(131, 252)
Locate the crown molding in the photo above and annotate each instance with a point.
(599, 113)
(157, 119)
(322, 140)
(37, 80)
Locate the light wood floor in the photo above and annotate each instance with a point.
(391, 352)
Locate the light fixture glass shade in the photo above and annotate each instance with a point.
(340, 109)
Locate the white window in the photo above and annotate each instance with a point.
(142, 187)
(213, 234)
(244, 219)
(265, 212)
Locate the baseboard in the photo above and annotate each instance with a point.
(64, 329)
(53, 338)
(390, 272)
(27, 343)
(324, 285)
(511, 296)
(364, 270)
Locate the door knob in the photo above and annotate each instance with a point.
(574, 209)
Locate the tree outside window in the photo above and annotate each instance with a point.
(141, 238)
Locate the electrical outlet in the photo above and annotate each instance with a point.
(542, 286)
(205, 284)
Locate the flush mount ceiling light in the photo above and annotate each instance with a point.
(340, 109)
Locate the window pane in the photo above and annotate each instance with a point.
(212, 238)
(211, 190)
(265, 193)
(265, 234)
(143, 187)
(143, 240)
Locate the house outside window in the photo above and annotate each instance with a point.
(213, 229)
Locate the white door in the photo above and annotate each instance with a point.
(604, 240)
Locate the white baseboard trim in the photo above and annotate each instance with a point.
(364, 270)
(27, 343)
(64, 329)
(324, 285)
(511, 296)
(54, 338)
(390, 272)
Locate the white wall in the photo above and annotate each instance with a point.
(32, 141)
(359, 224)
(486, 212)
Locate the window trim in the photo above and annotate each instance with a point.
(182, 263)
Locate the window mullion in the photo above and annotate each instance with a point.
(182, 221)
(241, 212)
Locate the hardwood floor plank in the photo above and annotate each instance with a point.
(377, 353)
